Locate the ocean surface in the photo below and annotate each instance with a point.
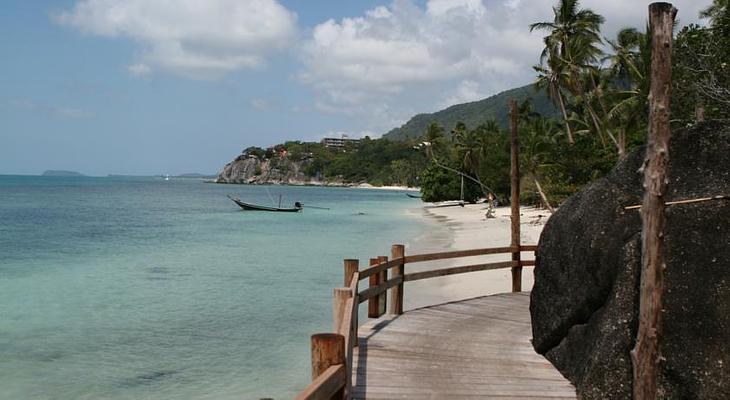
(140, 288)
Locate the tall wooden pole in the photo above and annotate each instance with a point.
(396, 293)
(515, 200)
(646, 356)
(351, 267)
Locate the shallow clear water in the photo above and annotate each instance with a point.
(115, 288)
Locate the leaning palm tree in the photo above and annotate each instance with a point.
(537, 138)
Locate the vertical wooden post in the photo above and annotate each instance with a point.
(351, 266)
(515, 200)
(374, 302)
(339, 300)
(328, 349)
(382, 303)
(396, 293)
(645, 356)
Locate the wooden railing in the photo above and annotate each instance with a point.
(332, 352)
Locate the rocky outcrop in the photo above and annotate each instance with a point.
(584, 303)
(252, 170)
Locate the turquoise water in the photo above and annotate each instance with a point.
(116, 288)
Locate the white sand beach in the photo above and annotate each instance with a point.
(460, 228)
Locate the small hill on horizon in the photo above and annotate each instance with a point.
(60, 172)
(475, 113)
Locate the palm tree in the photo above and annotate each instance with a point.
(628, 66)
(552, 78)
(572, 45)
(716, 11)
(625, 61)
(470, 147)
(435, 138)
(537, 138)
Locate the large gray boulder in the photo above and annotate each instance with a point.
(584, 303)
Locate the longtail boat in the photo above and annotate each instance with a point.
(255, 207)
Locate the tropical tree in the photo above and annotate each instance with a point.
(435, 139)
(628, 70)
(537, 139)
(552, 78)
(717, 11)
(572, 45)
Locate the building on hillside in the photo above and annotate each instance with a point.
(338, 143)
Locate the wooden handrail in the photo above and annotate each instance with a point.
(380, 267)
(325, 386)
(374, 269)
(415, 276)
(457, 254)
(376, 290)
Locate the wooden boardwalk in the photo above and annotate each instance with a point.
(471, 349)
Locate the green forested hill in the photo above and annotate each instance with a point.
(475, 113)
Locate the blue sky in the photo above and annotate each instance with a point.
(162, 86)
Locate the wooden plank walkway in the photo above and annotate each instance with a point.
(471, 349)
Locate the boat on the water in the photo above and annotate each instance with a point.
(255, 207)
(413, 196)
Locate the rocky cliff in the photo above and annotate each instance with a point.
(253, 170)
(584, 303)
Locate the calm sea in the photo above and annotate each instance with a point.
(114, 288)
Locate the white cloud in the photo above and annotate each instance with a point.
(194, 38)
(439, 54)
(396, 50)
(467, 91)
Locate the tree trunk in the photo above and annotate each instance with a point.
(542, 193)
(515, 198)
(565, 118)
(646, 354)
(622, 143)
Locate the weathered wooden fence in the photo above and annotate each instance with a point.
(332, 352)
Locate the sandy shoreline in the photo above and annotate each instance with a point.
(457, 228)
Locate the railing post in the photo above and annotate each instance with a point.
(328, 349)
(373, 302)
(339, 300)
(351, 267)
(396, 293)
(515, 201)
(383, 302)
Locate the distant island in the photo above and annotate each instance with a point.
(59, 172)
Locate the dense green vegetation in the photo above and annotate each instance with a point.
(376, 161)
